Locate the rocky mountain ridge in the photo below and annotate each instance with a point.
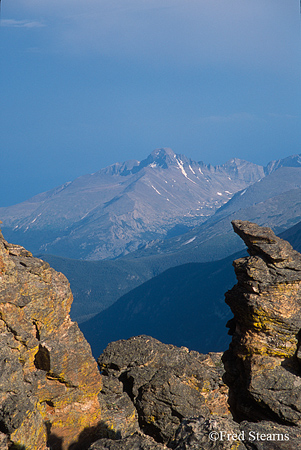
(274, 201)
(122, 207)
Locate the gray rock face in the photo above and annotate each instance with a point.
(165, 383)
(194, 434)
(270, 436)
(134, 442)
(118, 409)
(220, 433)
(262, 364)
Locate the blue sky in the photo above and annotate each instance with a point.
(87, 83)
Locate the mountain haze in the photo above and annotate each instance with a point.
(124, 206)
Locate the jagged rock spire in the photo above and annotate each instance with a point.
(262, 364)
(262, 241)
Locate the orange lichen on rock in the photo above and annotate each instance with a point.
(263, 361)
(49, 381)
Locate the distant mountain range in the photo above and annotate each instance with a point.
(152, 206)
(124, 206)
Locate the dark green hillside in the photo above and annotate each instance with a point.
(183, 306)
(97, 284)
(293, 236)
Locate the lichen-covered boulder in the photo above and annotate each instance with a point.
(209, 433)
(223, 433)
(50, 384)
(165, 383)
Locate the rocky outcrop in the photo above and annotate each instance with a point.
(51, 391)
(179, 396)
(165, 383)
(221, 433)
(263, 363)
(149, 395)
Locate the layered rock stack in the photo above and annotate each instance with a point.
(263, 363)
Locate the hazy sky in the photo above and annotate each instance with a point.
(87, 83)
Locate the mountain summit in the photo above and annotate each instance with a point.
(124, 206)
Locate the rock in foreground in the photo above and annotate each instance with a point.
(152, 396)
(49, 381)
(263, 363)
(165, 383)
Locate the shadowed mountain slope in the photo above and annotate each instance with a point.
(184, 306)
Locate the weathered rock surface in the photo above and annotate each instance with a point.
(270, 436)
(165, 383)
(221, 433)
(118, 411)
(138, 441)
(50, 385)
(263, 363)
(195, 433)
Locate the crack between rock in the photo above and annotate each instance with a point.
(52, 376)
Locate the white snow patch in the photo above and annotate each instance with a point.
(35, 218)
(17, 226)
(85, 215)
(219, 193)
(168, 199)
(243, 192)
(229, 178)
(153, 164)
(181, 167)
(201, 171)
(156, 190)
(229, 192)
(190, 240)
(191, 169)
